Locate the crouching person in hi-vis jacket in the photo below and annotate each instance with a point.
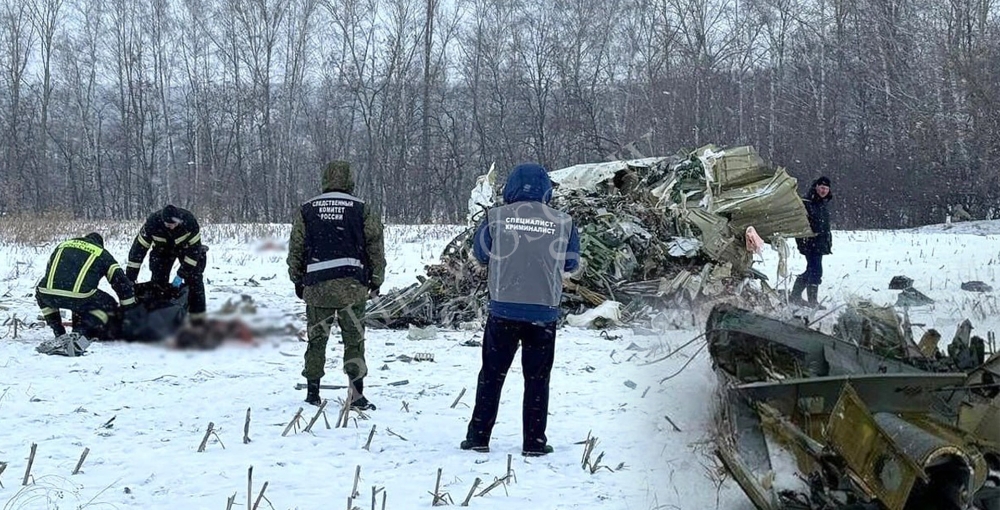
(71, 278)
(170, 235)
(527, 246)
(336, 259)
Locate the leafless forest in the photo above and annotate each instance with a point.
(230, 107)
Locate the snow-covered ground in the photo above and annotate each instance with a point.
(161, 401)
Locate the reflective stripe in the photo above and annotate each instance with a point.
(198, 315)
(191, 261)
(160, 239)
(331, 264)
(181, 239)
(103, 317)
(55, 265)
(337, 195)
(134, 265)
(82, 246)
(49, 311)
(128, 302)
(195, 239)
(66, 293)
(83, 271)
(142, 241)
(111, 271)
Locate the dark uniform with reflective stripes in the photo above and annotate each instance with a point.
(172, 234)
(71, 278)
(336, 257)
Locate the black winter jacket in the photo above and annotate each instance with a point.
(819, 221)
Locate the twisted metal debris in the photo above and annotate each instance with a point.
(655, 233)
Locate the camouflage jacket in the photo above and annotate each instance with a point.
(341, 292)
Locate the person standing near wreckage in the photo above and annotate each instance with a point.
(168, 235)
(336, 259)
(814, 248)
(527, 246)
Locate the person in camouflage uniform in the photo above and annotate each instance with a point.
(336, 259)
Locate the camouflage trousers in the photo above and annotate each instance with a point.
(352, 331)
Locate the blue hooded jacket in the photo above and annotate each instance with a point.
(528, 182)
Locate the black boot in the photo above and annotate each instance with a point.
(54, 321)
(795, 296)
(469, 444)
(361, 403)
(312, 392)
(812, 291)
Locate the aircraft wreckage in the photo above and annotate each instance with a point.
(861, 429)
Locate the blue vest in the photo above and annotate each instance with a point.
(335, 238)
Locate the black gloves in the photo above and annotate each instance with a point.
(298, 290)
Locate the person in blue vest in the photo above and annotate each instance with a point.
(336, 260)
(526, 245)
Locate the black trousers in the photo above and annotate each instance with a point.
(813, 274)
(500, 343)
(162, 261)
(90, 315)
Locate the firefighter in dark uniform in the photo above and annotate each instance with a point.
(336, 259)
(172, 234)
(71, 278)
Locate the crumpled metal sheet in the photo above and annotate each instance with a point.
(908, 432)
(68, 344)
(678, 219)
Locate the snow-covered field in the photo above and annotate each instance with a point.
(143, 410)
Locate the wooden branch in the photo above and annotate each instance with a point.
(3, 467)
(315, 418)
(246, 429)
(471, 491)
(459, 397)
(391, 433)
(79, 463)
(249, 485)
(437, 488)
(204, 440)
(219, 439)
(31, 460)
(346, 411)
(672, 424)
(230, 501)
(357, 478)
(368, 444)
(260, 496)
(384, 493)
(295, 419)
(510, 471)
(496, 483)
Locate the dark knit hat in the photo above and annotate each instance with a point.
(95, 238)
(823, 181)
(170, 214)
